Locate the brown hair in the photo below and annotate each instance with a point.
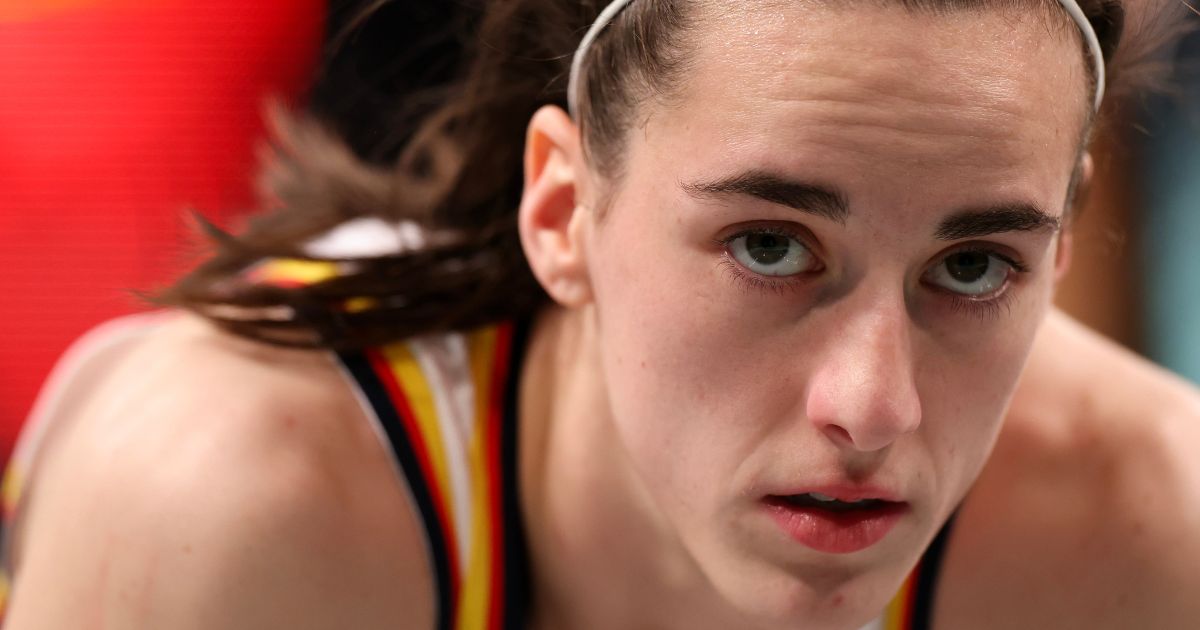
(453, 165)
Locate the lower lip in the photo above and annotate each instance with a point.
(835, 532)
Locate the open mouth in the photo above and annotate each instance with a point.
(825, 502)
(833, 525)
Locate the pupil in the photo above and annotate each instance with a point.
(767, 249)
(967, 266)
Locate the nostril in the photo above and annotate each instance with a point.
(838, 434)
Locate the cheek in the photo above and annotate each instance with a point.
(967, 385)
(672, 361)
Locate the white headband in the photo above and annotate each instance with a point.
(611, 11)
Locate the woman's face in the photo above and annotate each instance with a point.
(821, 276)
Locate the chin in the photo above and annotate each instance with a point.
(773, 598)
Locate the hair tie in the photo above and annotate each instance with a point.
(615, 7)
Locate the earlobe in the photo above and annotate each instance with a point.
(552, 225)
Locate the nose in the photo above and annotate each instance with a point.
(863, 396)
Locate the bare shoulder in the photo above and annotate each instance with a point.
(1086, 515)
(208, 481)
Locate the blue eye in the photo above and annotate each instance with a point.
(971, 273)
(770, 253)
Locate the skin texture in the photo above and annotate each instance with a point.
(160, 505)
(663, 397)
(1087, 511)
(1117, 436)
(717, 387)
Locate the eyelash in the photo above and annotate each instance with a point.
(983, 309)
(753, 281)
(989, 308)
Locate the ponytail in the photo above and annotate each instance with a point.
(445, 154)
(429, 129)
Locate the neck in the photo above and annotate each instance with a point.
(602, 556)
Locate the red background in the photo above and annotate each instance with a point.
(113, 121)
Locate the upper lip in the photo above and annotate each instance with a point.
(847, 492)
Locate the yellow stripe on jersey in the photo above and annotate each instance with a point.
(416, 389)
(292, 271)
(477, 589)
(14, 486)
(897, 615)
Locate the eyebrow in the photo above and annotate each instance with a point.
(831, 204)
(805, 197)
(1014, 217)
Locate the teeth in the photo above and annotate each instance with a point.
(821, 497)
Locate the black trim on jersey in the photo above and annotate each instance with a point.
(927, 579)
(516, 555)
(368, 381)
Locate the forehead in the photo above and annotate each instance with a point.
(897, 92)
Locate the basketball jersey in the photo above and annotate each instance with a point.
(445, 407)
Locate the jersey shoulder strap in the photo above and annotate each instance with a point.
(912, 607)
(445, 406)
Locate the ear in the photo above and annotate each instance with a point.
(1062, 257)
(552, 226)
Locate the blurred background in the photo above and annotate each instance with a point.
(117, 116)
